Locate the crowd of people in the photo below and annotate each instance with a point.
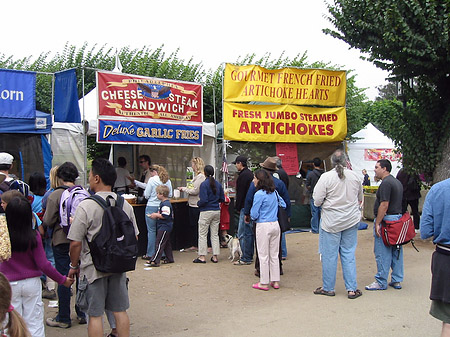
(43, 249)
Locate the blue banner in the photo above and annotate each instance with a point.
(66, 97)
(130, 132)
(17, 94)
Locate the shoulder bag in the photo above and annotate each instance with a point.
(399, 232)
(283, 219)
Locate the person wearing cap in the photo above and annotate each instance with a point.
(6, 162)
(245, 232)
(270, 165)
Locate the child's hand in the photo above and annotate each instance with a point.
(153, 215)
(68, 282)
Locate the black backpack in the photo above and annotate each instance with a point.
(114, 248)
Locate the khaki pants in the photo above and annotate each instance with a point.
(268, 243)
(208, 220)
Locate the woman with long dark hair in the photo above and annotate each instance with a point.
(26, 265)
(264, 212)
(211, 194)
(38, 185)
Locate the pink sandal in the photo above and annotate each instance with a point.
(274, 286)
(258, 286)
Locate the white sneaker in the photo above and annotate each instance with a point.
(375, 286)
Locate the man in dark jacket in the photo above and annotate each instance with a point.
(245, 232)
(311, 180)
(411, 194)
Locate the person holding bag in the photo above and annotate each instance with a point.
(264, 213)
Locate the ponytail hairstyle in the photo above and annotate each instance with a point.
(19, 219)
(162, 173)
(15, 324)
(209, 174)
(339, 162)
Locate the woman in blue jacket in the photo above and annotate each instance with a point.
(265, 213)
(211, 194)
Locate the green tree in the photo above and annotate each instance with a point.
(409, 38)
(156, 63)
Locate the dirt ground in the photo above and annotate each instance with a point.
(186, 299)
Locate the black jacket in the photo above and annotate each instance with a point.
(242, 185)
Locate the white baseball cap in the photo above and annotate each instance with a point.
(6, 158)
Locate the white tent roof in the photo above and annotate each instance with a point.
(371, 135)
(370, 138)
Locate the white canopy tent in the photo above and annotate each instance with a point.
(371, 140)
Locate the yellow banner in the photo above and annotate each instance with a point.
(283, 123)
(284, 86)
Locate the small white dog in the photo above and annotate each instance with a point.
(235, 248)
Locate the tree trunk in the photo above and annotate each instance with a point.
(442, 170)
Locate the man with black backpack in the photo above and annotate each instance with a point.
(102, 224)
(311, 180)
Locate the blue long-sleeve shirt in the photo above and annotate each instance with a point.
(436, 212)
(265, 207)
(208, 200)
(281, 189)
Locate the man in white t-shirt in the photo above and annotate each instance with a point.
(123, 180)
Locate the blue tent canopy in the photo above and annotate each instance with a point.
(42, 124)
(25, 139)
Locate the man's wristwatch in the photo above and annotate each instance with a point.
(72, 267)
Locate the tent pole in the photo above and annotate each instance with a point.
(52, 113)
(84, 134)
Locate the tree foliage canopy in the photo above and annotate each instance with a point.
(156, 63)
(409, 38)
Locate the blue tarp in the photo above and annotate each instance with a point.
(39, 125)
(25, 139)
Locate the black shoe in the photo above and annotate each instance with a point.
(214, 261)
(81, 320)
(197, 260)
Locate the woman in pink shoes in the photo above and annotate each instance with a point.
(264, 212)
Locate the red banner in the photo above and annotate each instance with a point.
(137, 97)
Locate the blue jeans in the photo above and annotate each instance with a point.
(246, 238)
(151, 229)
(342, 243)
(283, 245)
(62, 260)
(315, 216)
(49, 254)
(387, 258)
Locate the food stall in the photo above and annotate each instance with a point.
(295, 114)
(162, 119)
